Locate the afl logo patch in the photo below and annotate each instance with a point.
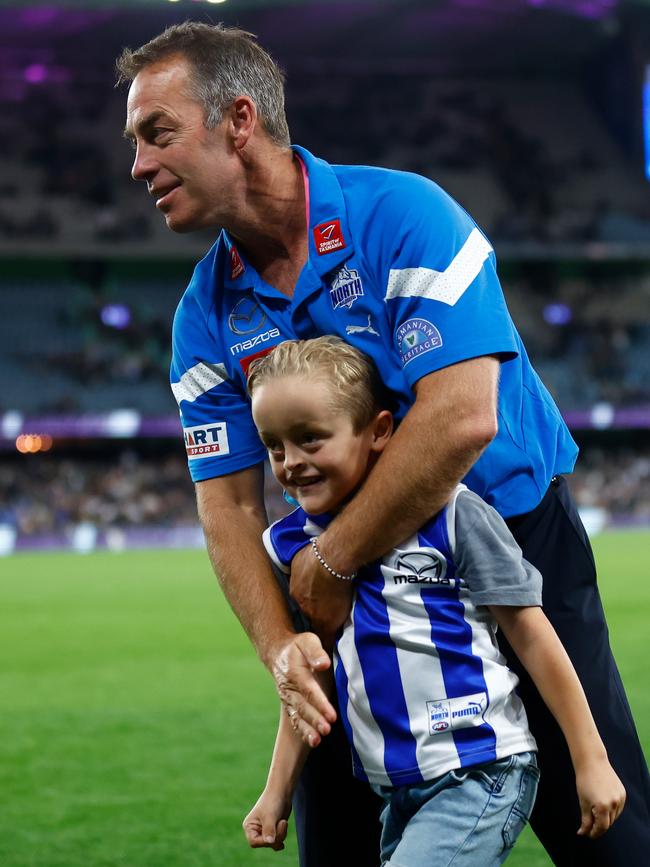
(415, 337)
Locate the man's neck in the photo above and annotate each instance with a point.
(272, 228)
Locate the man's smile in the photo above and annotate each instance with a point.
(162, 193)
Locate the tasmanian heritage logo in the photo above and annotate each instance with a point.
(206, 440)
(346, 288)
(415, 337)
(328, 237)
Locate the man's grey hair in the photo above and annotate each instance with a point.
(226, 63)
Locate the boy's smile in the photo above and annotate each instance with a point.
(315, 452)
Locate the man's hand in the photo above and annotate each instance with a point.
(296, 672)
(324, 599)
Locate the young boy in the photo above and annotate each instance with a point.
(427, 701)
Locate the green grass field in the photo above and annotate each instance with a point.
(136, 723)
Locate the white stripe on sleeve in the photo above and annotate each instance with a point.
(445, 286)
(197, 380)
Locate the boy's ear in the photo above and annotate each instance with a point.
(382, 430)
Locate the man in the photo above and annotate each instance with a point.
(394, 266)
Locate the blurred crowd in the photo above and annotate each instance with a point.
(587, 331)
(554, 176)
(44, 495)
(48, 495)
(105, 344)
(615, 480)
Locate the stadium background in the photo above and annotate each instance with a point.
(137, 722)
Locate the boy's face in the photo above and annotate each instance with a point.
(314, 451)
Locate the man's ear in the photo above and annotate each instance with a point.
(382, 430)
(243, 120)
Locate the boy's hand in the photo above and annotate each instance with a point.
(266, 824)
(602, 798)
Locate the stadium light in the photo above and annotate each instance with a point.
(31, 444)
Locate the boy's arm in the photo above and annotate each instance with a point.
(498, 576)
(533, 639)
(266, 824)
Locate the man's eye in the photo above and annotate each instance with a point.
(159, 135)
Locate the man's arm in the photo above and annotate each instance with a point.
(451, 422)
(231, 509)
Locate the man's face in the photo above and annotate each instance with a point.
(188, 169)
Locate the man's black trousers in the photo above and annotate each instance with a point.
(337, 817)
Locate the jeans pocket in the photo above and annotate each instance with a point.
(522, 808)
(493, 775)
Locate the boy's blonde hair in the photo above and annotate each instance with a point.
(357, 389)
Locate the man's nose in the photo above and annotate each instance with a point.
(144, 165)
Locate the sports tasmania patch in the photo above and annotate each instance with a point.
(346, 288)
(328, 237)
(415, 337)
(206, 440)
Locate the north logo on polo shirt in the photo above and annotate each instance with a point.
(346, 288)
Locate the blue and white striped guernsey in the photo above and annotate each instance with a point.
(422, 686)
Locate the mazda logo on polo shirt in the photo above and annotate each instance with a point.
(246, 316)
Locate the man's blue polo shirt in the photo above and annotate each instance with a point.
(397, 268)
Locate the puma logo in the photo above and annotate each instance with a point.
(357, 329)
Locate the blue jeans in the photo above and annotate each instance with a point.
(469, 817)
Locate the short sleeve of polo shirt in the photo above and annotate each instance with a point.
(443, 297)
(218, 429)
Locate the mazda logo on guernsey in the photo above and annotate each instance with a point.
(246, 316)
(425, 566)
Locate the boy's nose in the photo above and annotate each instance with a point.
(293, 459)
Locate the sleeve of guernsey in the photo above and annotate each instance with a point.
(488, 557)
(218, 429)
(443, 297)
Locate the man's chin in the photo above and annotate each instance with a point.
(179, 225)
(183, 225)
